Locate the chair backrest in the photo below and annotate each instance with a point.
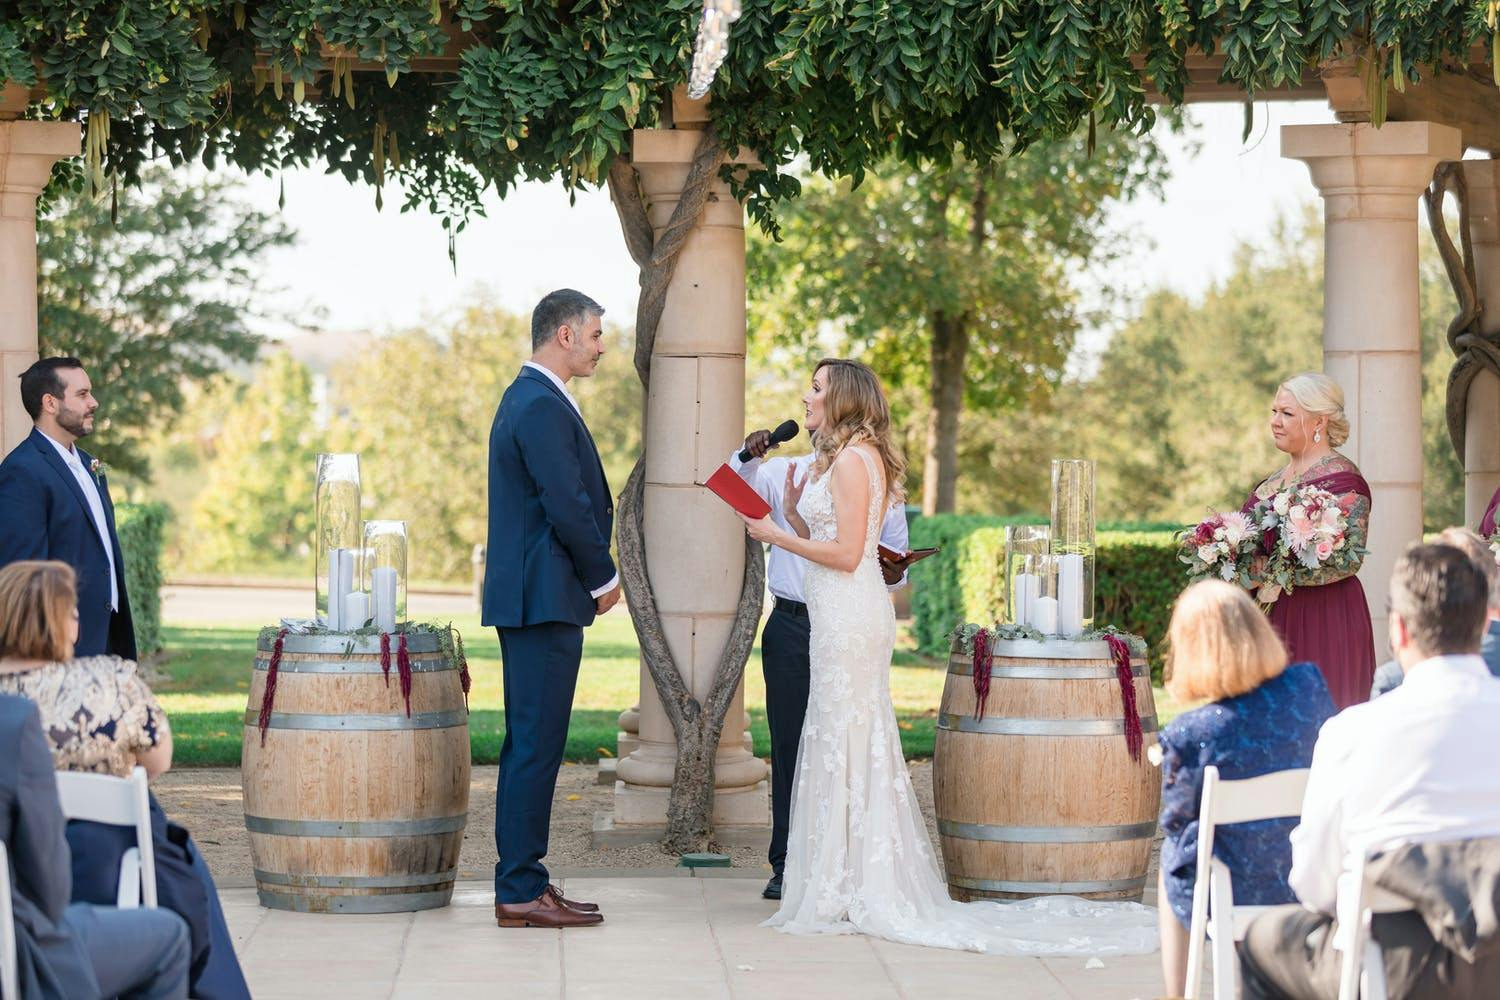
(102, 798)
(1244, 800)
(9, 981)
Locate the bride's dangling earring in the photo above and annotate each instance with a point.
(1317, 436)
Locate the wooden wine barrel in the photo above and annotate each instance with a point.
(352, 805)
(1040, 795)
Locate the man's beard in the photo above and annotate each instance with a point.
(75, 422)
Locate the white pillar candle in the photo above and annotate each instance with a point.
(1027, 585)
(356, 610)
(340, 584)
(1044, 615)
(383, 596)
(1070, 594)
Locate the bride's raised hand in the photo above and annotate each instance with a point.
(792, 494)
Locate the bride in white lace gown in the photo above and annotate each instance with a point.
(858, 856)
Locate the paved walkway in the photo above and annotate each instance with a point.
(664, 938)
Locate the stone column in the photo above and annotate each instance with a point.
(27, 152)
(1370, 180)
(1482, 436)
(695, 413)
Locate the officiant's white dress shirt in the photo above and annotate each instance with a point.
(785, 571)
(90, 488)
(563, 388)
(1419, 763)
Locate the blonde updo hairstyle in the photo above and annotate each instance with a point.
(1320, 396)
(855, 412)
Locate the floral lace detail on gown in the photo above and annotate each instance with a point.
(858, 857)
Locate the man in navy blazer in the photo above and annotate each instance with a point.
(548, 573)
(56, 504)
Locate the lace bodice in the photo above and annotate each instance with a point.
(817, 510)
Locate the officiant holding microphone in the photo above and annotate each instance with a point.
(785, 656)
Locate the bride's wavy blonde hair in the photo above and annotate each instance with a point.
(855, 412)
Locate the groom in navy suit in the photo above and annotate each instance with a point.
(547, 575)
(56, 505)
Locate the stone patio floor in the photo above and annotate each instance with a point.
(663, 938)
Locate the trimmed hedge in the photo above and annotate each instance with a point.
(141, 527)
(1138, 579)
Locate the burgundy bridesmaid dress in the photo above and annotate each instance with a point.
(1487, 523)
(1329, 624)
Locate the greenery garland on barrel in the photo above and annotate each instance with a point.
(450, 644)
(978, 642)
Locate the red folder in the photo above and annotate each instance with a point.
(729, 487)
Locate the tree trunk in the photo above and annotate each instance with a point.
(950, 347)
(947, 353)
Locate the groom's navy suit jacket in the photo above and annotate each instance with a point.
(550, 514)
(44, 515)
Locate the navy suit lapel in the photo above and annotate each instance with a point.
(103, 488)
(53, 459)
(547, 383)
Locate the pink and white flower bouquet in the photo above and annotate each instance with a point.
(1305, 531)
(1220, 548)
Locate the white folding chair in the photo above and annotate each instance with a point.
(9, 981)
(1269, 796)
(1362, 968)
(119, 802)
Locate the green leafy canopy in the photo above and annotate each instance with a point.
(545, 89)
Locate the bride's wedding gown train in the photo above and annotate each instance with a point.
(858, 857)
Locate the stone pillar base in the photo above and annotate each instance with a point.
(644, 806)
(607, 833)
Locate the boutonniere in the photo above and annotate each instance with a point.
(98, 469)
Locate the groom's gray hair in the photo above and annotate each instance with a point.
(564, 306)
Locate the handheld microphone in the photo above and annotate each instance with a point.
(784, 432)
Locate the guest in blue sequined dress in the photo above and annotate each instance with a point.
(1261, 716)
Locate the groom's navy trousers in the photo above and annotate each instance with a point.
(549, 525)
(786, 660)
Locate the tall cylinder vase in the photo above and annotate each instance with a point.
(385, 572)
(337, 539)
(1073, 543)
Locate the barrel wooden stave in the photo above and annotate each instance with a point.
(326, 807)
(1037, 791)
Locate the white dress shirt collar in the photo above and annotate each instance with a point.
(552, 377)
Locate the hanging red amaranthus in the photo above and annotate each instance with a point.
(463, 665)
(1119, 651)
(268, 695)
(385, 656)
(984, 661)
(403, 664)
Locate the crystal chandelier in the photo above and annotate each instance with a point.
(712, 45)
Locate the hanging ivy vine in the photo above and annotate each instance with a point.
(533, 89)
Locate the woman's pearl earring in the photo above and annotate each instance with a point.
(1317, 436)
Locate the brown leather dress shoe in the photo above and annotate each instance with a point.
(547, 910)
(575, 904)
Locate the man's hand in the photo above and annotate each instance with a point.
(758, 443)
(604, 602)
(894, 569)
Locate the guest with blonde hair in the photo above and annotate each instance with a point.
(100, 716)
(1325, 619)
(1259, 715)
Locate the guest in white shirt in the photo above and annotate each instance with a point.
(1417, 764)
(56, 505)
(784, 642)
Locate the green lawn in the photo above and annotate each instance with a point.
(206, 677)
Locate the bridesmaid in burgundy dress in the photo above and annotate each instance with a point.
(1487, 528)
(1325, 619)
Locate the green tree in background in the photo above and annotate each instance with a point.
(958, 278)
(419, 407)
(152, 301)
(257, 502)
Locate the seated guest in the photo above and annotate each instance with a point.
(1477, 549)
(1415, 765)
(99, 716)
(1261, 716)
(78, 951)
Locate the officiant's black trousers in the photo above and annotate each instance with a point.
(539, 665)
(786, 661)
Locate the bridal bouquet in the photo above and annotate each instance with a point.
(1220, 548)
(1305, 530)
